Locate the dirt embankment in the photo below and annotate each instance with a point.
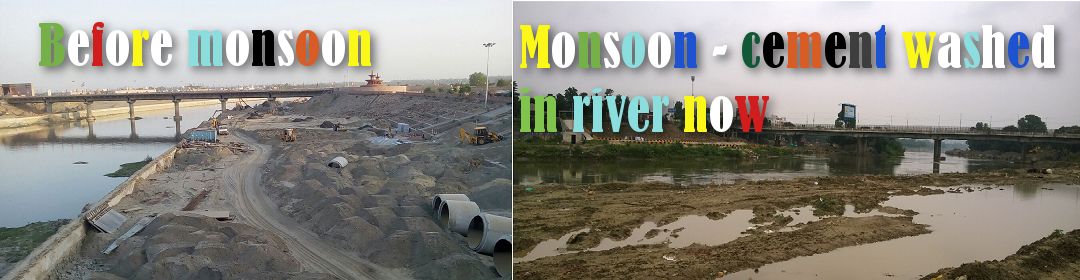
(377, 206)
(614, 210)
(186, 245)
(1053, 257)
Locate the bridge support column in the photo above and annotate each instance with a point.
(131, 109)
(49, 111)
(937, 156)
(273, 104)
(176, 110)
(89, 110)
(223, 101)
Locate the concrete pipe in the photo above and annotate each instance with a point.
(456, 215)
(438, 199)
(486, 229)
(503, 256)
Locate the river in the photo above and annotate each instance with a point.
(40, 180)
(728, 170)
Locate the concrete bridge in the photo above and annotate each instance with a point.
(176, 97)
(936, 133)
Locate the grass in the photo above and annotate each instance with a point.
(16, 243)
(127, 169)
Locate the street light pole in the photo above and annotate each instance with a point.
(692, 78)
(487, 73)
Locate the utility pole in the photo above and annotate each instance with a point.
(487, 73)
(692, 78)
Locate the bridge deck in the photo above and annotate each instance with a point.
(169, 96)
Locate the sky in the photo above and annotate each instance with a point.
(896, 95)
(411, 39)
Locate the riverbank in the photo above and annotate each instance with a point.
(597, 150)
(550, 218)
(16, 243)
(1056, 256)
(294, 216)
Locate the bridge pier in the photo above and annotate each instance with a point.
(176, 115)
(49, 111)
(223, 101)
(937, 156)
(89, 110)
(273, 104)
(131, 109)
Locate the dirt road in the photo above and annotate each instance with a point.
(254, 206)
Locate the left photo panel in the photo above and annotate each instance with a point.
(256, 140)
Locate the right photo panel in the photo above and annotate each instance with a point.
(796, 140)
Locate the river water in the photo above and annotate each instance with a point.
(728, 170)
(40, 180)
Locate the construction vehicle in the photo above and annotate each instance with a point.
(288, 135)
(480, 136)
(846, 117)
(214, 122)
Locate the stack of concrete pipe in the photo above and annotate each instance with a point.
(485, 233)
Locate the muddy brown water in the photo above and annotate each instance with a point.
(989, 223)
(970, 226)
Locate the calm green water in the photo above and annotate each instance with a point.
(38, 180)
(726, 171)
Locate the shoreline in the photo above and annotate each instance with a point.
(614, 211)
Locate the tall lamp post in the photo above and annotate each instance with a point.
(487, 72)
(692, 78)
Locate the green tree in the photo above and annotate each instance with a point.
(1031, 123)
(502, 83)
(428, 90)
(477, 79)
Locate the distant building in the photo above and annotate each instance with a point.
(375, 85)
(16, 89)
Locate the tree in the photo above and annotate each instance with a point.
(502, 83)
(428, 90)
(1031, 123)
(477, 79)
(679, 112)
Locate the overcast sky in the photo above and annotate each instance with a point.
(411, 39)
(906, 96)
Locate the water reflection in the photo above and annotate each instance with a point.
(988, 224)
(41, 183)
(728, 170)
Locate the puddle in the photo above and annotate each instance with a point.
(688, 230)
(805, 215)
(969, 226)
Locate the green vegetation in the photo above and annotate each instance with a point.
(127, 169)
(827, 206)
(537, 149)
(16, 243)
(477, 79)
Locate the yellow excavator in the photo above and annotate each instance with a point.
(479, 136)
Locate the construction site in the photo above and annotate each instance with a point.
(344, 185)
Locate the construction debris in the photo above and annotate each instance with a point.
(139, 225)
(338, 162)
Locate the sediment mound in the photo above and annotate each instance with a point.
(197, 247)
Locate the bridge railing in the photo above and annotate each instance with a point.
(921, 129)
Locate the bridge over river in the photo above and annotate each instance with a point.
(936, 133)
(176, 97)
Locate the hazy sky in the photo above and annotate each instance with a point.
(411, 39)
(904, 95)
